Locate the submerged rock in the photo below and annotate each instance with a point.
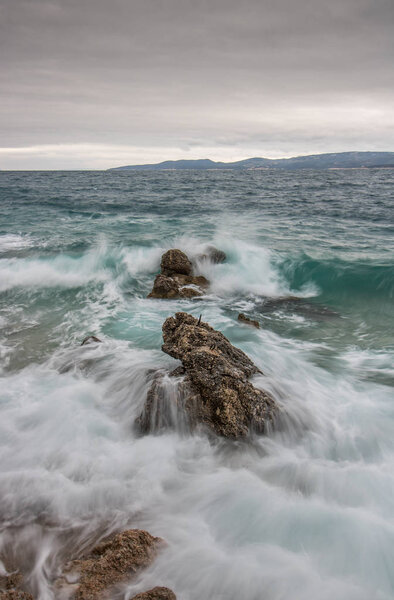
(90, 339)
(216, 389)
(110, 563)
(176, 280)
(214, 255)
(156, 593)
(244, 319)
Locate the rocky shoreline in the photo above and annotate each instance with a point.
(211, 392)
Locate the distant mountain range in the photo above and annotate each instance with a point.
(340, 160)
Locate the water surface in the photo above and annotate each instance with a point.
(306, 512)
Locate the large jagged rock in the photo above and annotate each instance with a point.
(175, 261)
(156, 593)
(176, 279)
(216, 383)
(110, 563)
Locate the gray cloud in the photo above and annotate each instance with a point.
(168, 77)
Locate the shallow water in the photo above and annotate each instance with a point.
(305, 512)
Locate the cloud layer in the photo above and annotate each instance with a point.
(91, 83)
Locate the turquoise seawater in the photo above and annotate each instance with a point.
(303, 513)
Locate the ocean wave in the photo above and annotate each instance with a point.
(338, 277)
(59, 271)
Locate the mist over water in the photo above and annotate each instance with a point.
(304, 513)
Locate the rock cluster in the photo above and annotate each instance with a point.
(176, 279)
(216, 387)
(111, 562)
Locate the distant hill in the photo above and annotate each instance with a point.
(340, 160)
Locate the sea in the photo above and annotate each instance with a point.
(302, 513)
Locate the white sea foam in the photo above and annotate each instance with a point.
(62, 271)
(142, 260)
(14, 241)
(290, 512)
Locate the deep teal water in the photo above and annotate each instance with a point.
(305, 513)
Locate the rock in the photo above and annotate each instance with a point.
(175, 261)
(15, 595)
(156, 593)
(170, 404)
(90, 339)
(111, 562)
(244, 319)
(164, 287)
(218, 392)
(10, 587)
(213, 255)
(178, 286)
(189, 292)
(198, 280)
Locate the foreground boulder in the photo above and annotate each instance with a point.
(215, 389)
(157, 593)
(111, 562)
(176, 279)
(11, 587)
(15, 595)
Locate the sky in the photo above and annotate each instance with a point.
(94, 84)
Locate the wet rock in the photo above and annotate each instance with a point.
(90, 339)
(213, 255)
(179, 286)
(178, 372)
(15, 595)
(112, 562)
(189, 292)
(175, 261)
(156, 593)
(216, 382)
(244, 319)
(10, 588)
(198, 280)
(164, 287)
(175, 279)
(170, 404)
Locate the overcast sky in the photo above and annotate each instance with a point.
(101, 83)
